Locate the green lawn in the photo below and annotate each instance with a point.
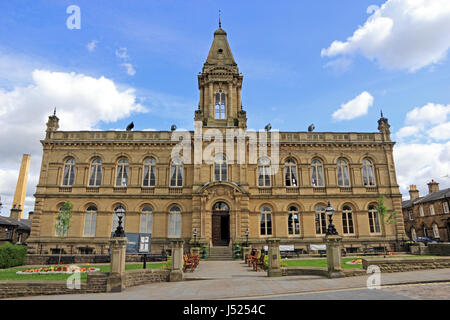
(10, 273)
(320, 263)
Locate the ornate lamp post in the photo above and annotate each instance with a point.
(119, 233)
(331, 230)
(246, 236)
(195, 238)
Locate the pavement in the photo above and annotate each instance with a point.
(234, 280)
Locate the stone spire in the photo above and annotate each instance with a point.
(220, 86)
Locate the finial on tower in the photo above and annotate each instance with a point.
(54, 112)
(381, 113)
(220, 23)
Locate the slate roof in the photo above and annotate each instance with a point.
(438, 195)
(23, 224)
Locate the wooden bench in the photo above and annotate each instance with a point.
(190, 261)
(259, 263)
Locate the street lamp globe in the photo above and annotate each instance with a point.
(331, 230)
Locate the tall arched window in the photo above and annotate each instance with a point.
(266, 221)
(175, 222)
(347, 220)
(317, 173)
(290, 173)
(321, 222)
(122, 172)
(146, 220)
(342, 173)
(436, 231)
(293, 221)
(374, 220)
(264, 172)
(176, 173)
(95, 178)
(220, 168)
(69, 172)
(90, 221)
(424, 230)
(220, 105)
(413, 234)
(115, 223)
(149, 177)
(368, 173)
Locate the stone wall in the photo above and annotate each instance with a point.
(407, 264)
(96, 283)
(439, 249)
(138, 277)
(301, 271)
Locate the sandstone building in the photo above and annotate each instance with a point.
(104, 171)
(429, 215)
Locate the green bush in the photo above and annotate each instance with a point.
(12, 255)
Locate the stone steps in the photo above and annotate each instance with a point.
(220, 254)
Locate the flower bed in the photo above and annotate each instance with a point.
(65, 269)
(356, 261)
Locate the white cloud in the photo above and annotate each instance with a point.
(130, 70)
(419, 163)
(440, 132)
(92, 45)
(407, 131)
(354, 108)
(122, 53)
(401, 34)
(81, 102)
(428, 114)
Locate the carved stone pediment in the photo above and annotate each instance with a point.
(221, 189)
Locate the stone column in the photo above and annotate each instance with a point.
(274, 258)
(176, 271)
(117, 278)
(334, 244)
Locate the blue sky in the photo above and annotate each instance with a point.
(278, 45)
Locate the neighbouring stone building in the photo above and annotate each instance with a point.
(101, 172)
(13, 230)
(429, 215)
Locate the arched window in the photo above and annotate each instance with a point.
(347, 220)
(368, 173)
(149, 177)
(69, 172)
(95, 178)
(413, 234)
(321, 222)
(146, 220)
(342, 173)
(317, 173)
(176, 173)
(220, 105)
(264, 172)
(266, 221)
(424, 229)
(90, 221)
(374, 220)
(117, 209)
(175, 222)
(123, 172)
(436, 231)
(293, 221)
(220, 168)
(290, 173)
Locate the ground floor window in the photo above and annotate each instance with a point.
(175, 222)
(347, 220)
(266, 221)
(435, 230)
(146, 222)
(321, 222)
(413, 234)
(374, 221)
(90, 221)
(293, 221)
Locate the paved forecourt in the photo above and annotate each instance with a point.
(234, 280)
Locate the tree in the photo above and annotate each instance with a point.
(63, 222)
(385, 217)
